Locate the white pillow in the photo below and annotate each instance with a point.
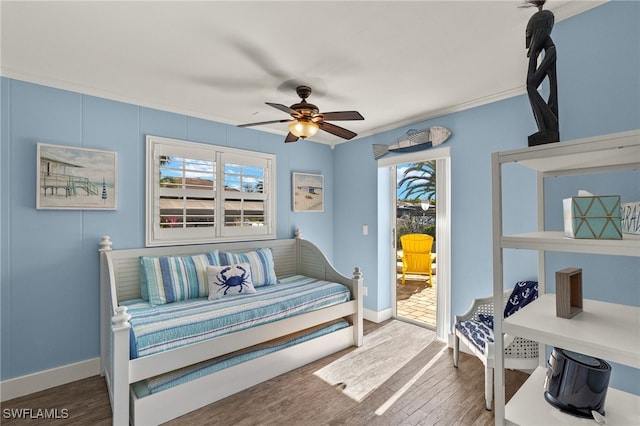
(228, 280)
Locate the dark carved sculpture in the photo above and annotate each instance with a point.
(538, 39)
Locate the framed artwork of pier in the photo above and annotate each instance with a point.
(75, 178)
(308, 192)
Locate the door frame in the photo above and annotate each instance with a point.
(443, 230)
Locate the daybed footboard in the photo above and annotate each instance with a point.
(311, 262)
(119, 277)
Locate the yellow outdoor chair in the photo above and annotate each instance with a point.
(416, 255)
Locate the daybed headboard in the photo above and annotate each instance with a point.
(126, 263)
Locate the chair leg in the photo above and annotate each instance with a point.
(488, 387)
(456, 350)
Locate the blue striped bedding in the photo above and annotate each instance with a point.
(183, 375)
(156, 329)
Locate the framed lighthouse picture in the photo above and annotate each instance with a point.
(75, 178)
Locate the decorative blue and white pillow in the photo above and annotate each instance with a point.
(167, 279)
(523, 293)
(230, 279)
(261, 263)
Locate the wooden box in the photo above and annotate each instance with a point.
(568, 292)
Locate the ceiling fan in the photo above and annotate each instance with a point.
(307, 119)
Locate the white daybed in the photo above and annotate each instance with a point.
(120, 281)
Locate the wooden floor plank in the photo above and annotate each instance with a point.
(443, 395)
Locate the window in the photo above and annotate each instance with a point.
(199, 193)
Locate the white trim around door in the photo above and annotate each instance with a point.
(443, 229)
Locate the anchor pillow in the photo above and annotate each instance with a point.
(229, 280)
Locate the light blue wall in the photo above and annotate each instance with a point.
(49, 262)
(474, 138)
(598, 70)
(599, 93)
(50, 297)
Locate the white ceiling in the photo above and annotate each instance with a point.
(396, 62)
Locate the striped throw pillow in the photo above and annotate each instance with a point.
(173, 278)
(261, 263)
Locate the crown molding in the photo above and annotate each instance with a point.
(448, 110)
(572, 8)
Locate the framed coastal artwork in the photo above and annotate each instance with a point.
(75, 178)
(308, 192)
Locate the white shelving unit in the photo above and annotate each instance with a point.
(604, 330)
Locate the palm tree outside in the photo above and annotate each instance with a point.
(417, 198)
(419, 181)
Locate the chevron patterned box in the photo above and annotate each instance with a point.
(596, 217)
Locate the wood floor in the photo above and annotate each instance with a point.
(443, 395)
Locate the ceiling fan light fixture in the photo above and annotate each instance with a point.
(306, 119)
(303, 128)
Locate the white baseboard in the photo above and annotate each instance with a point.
(35, 382)
(377, 316)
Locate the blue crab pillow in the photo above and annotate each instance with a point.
(230, 279)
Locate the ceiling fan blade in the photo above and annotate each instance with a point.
(290, 138)
(286, 109)
(341, 115)
(337, 130)
(265, 122)
(255, 54)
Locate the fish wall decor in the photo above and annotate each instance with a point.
(415, 140)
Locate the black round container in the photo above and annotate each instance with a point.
(576, 383)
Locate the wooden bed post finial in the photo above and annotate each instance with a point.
(105, 243)
(357, 274)
(121, 318)
(299, 233)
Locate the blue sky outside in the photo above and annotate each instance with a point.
(400, 170)
(242, 177)
(237, 176)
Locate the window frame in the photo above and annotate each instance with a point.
(220, 156)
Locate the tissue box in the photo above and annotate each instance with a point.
(596, 217)
(631, 218)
